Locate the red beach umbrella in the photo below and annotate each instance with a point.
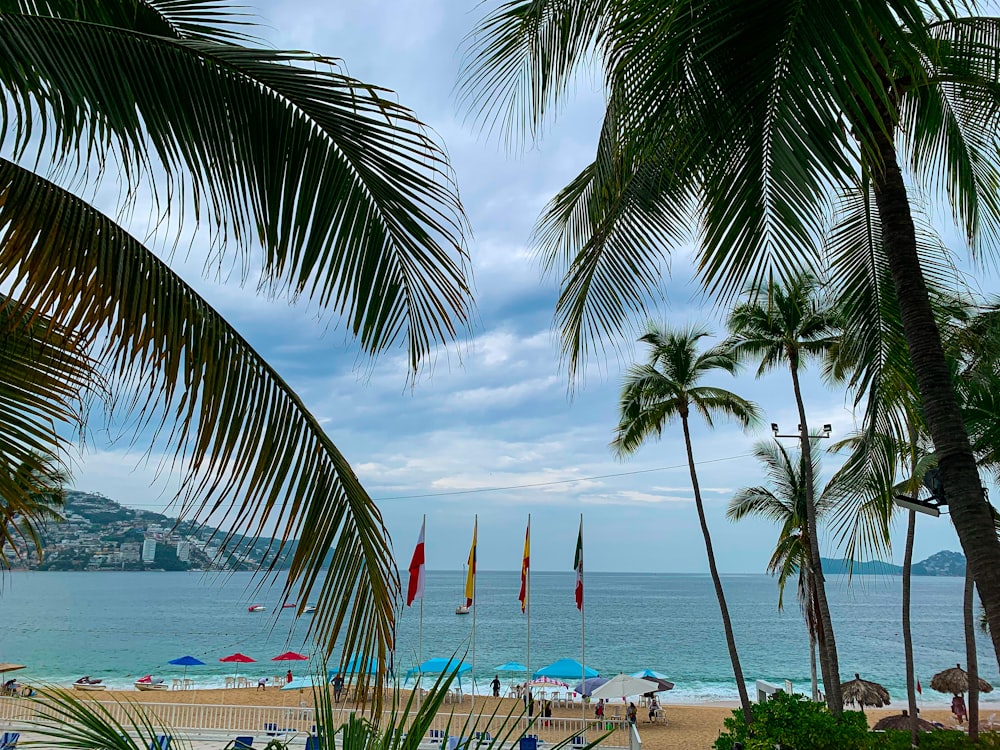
(290, 656)
(237, 658)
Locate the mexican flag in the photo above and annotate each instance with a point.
(578, 566)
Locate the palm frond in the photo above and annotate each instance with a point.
(249, 451)
(353, 204)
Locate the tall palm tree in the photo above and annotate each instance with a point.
(327, 183)
(744, 120)
(783, 500)
(666, 388)
(786, 326)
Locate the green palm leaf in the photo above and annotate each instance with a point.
(250, 453)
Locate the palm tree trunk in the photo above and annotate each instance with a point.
(911, 692)
(727, 624)
(972, 663)
(813, 682)
(962, 488)
(827, 644)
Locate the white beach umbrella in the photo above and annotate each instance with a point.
(622, 685)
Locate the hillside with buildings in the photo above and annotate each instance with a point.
(100, 534)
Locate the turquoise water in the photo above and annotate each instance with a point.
(118, 626)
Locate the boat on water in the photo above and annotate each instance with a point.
(461, 609)
(289, 605)
(309, 609)
(256, 608)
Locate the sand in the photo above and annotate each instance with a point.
(688, 727)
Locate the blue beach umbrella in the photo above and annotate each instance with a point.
(186, 661)
(438, 665)
(589, 685)
(649, 673)
(567, 669)
(355, 665)
(511, 666)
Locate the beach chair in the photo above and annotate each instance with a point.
(271, 729)
(484, 737)
(243, 743)
(312, 742)
(8, 740)
(458, 743)
(162, 742)
(578, 741)
(435, 736)
(528, 742)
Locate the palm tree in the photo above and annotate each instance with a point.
(666, 388)
(335, 186)
(745, 124)
(788, 328)
(783, 500)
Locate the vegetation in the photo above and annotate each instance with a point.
(178, 102)
(749, 126)
(665, 388)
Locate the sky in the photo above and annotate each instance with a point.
(493, 429)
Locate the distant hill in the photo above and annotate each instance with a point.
(944, 563)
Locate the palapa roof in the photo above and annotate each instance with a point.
(864, 693)
(956, 680)
(8, 667)
(902, 722)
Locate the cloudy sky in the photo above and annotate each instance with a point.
(493, 430)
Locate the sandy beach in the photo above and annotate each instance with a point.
(688, 727)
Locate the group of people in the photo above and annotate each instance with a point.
(631, 713)
(262, 682)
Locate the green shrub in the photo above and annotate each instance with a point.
(797, 723)
(794, 722)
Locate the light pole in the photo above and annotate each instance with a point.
(825, 433)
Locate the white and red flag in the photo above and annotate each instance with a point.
(416, 586)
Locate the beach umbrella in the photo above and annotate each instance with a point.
(661, 685)
(956, 680)
(902, 723)
(569, 669)
(186, 661)
(547, 682)
(511, 666)
(300, 683)
(290, 656)
(585, 687)
(8, 667)
(623, 685)
(649, 674)
(864, 693)
(237, 658)
(438, 665)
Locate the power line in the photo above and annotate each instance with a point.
(532, 485)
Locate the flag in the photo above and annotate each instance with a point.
(470, 579)
(525, 563)
(918, 688)
(416, 585)
(578, 565)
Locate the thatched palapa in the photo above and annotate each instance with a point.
(955, 681)
(864, 693)
(902, 723)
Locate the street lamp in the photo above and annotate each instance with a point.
(827, 429)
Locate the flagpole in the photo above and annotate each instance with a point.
(583, 639)
(420, 629)
(475, 553)
(527, 607)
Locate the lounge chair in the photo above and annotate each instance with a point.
(578, 741)
(484, 737)
(435, 735)
(312, 742)
(529, 742)
(8, 740)
(162, 742)
(243, 743)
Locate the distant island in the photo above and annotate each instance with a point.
(944, 563)
(101, 534)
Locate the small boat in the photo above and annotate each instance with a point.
(309, 609)
(256, 608)
(289, 605)
(461, 609)
(146, 686)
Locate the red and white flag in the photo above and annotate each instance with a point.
(525, 565)
(919, 690)
(416, 585)
(578, 566)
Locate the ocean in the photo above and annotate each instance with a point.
(119, 626)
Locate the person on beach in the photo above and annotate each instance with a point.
(531, 704)
(958, 708)
(496, 686)
(654, 706)
(632, 714)
(288, 677)
(599, 709)
(547, 711)
(262, 683)
(338, 687)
